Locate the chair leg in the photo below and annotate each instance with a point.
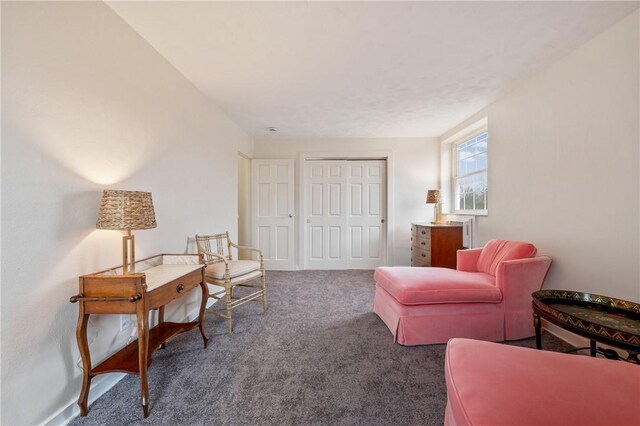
(228, 300)
(264, 293)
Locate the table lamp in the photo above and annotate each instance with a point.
(433, 197)
(126, 211)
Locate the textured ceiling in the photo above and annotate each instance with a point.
(362, 69)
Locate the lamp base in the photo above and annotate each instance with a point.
(128, 254)
(437, 218)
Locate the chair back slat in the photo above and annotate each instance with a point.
(214, 243)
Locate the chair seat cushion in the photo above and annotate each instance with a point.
(236, 269)
(496, 384)
(421, 286)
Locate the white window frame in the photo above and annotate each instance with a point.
(455, 176)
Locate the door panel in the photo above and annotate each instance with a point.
(367, 207)
(325, 225)
(273, 212)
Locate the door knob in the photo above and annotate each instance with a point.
(290, 215)
(382, 221)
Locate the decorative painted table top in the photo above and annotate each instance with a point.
(602, 318)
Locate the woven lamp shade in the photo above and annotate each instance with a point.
(433, 196)
(126, 210)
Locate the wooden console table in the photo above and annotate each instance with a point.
(158, 280)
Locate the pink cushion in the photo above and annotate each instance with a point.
(437, 322)
(419, 286)
(496, 251)
(495, 384)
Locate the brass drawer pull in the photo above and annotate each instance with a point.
(180, 288)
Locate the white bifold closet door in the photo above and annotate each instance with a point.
(345, 211)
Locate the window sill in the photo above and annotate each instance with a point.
(483, 213)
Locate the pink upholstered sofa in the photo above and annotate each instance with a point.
(488, 296)
(494, 384)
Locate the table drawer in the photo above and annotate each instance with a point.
(175, 289)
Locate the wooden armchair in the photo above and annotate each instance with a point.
(227, 273)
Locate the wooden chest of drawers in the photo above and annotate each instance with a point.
(435, 245)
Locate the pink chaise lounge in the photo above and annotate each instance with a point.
(488, 296)
(494, 384)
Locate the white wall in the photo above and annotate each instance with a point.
(87, 104)
(415, 170)
(244, 205)
(564, 165)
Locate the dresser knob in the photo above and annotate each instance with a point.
(424, 255)
(423, 243)
(424, 232)
(180, 288)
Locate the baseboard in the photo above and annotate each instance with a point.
(574, 339)
(567, 336)
(99, 386)
(70, 411)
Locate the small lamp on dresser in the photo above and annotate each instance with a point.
(433, 197)
(126, 211)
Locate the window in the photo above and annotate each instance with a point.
(470, 174)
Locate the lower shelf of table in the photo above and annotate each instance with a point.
(126, 359)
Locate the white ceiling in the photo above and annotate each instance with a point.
(362, 69)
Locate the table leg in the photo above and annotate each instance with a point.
(160, 321)
(592, 347)
(203, 306)
(83, 346)
(538, 327)
(143, 347)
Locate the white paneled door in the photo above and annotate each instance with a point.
(344, 213)
(273, 212)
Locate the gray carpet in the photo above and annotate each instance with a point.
(318, 356)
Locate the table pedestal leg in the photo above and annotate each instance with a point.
(538, 327)
(143, 347)
(83, 345)
(592, 347)
(203, 307)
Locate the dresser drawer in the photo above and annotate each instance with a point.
(421, 231)
(421, 243)
(417, 259)
(422, 255)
